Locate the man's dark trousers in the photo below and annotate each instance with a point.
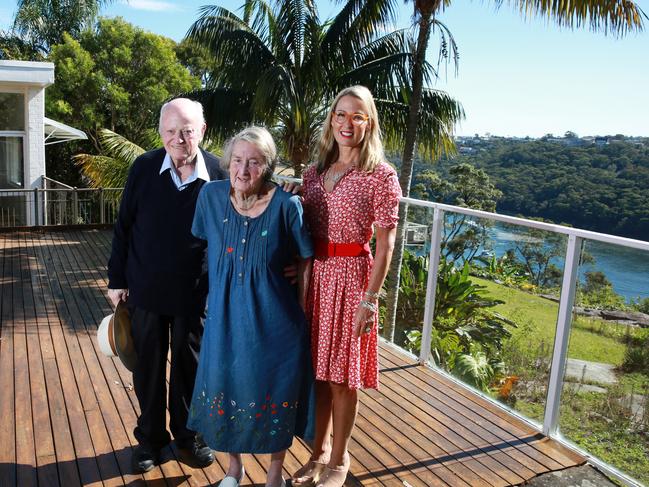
(151, 336)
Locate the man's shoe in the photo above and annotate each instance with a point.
(198, 452)
(144, 459)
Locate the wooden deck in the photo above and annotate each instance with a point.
(67, 412)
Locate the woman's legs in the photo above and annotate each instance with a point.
(274, 477)
(322, 442)
(323, 414)
(235, 469)
(345, 408)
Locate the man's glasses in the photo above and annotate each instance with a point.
(184, 134)
(340, 116)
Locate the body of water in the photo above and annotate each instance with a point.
(627, 269)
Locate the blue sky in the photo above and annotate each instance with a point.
(516, 77)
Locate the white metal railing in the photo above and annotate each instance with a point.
(60, 206)
(564, 317)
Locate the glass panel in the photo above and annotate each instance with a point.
(497, 307)
(414, 274)
(11, 163)
(605, 396)
(12, 115)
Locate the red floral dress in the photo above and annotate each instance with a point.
(346, 215)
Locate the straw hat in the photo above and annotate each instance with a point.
(114, 336)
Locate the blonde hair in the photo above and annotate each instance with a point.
(371, 147)
(261, 139)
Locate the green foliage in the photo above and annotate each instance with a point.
(278, 64)
(504, 270)
(465, 186)
(604, 188)
(116, 77)
(467, 335)
(641, 305)
(15, 47)
(110, 170)
(636, 357)
(44, 23)
(536, 250)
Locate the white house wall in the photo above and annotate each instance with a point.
(34, 148)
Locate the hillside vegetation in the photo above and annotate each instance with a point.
(600, 185)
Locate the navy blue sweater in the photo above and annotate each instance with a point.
(154, 253)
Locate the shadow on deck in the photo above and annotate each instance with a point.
(67, 411)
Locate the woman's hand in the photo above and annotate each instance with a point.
(364, 318)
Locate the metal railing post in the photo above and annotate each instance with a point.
(75, 206)
(561, 339)
(431, 284)
(35, 206)
(102, 216)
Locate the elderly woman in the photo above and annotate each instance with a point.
(350, 194)
(254, 380)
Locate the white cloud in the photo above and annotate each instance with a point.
(152, 5)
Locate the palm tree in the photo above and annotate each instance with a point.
(614, 16)
(110, 169)
(42, 23)
(280, 66)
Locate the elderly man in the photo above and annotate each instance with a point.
(157, 266)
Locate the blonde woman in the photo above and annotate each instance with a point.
(350, 195)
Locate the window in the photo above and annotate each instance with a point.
(11, 163)
(12, 114)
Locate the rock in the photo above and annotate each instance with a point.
(583, 476)
(579, 370)
(631, 316)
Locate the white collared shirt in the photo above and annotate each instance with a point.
(200, 171)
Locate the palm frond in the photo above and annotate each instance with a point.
(610, 16)
(226, 109)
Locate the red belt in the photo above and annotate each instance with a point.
(324, 248)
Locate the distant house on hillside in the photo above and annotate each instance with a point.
(24, 132)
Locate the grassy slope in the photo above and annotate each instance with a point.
(589, 340)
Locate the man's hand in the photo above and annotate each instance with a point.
(117, 295)
(290, 273)
(291, 187)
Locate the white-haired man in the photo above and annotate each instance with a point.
(157, 266)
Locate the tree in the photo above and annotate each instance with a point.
(615, 16)
(279, 65)
(15, 47)
(468, 187)
(116, 76)
(43, 23)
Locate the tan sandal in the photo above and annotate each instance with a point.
(308, 475)
(333, 477)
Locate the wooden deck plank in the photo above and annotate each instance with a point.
(445, 435)
(25, 447)
(479, 435)
(102, 400)
(446, 466)
(519, 432)
(420, 429)
(495, 431)
(8, 464)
